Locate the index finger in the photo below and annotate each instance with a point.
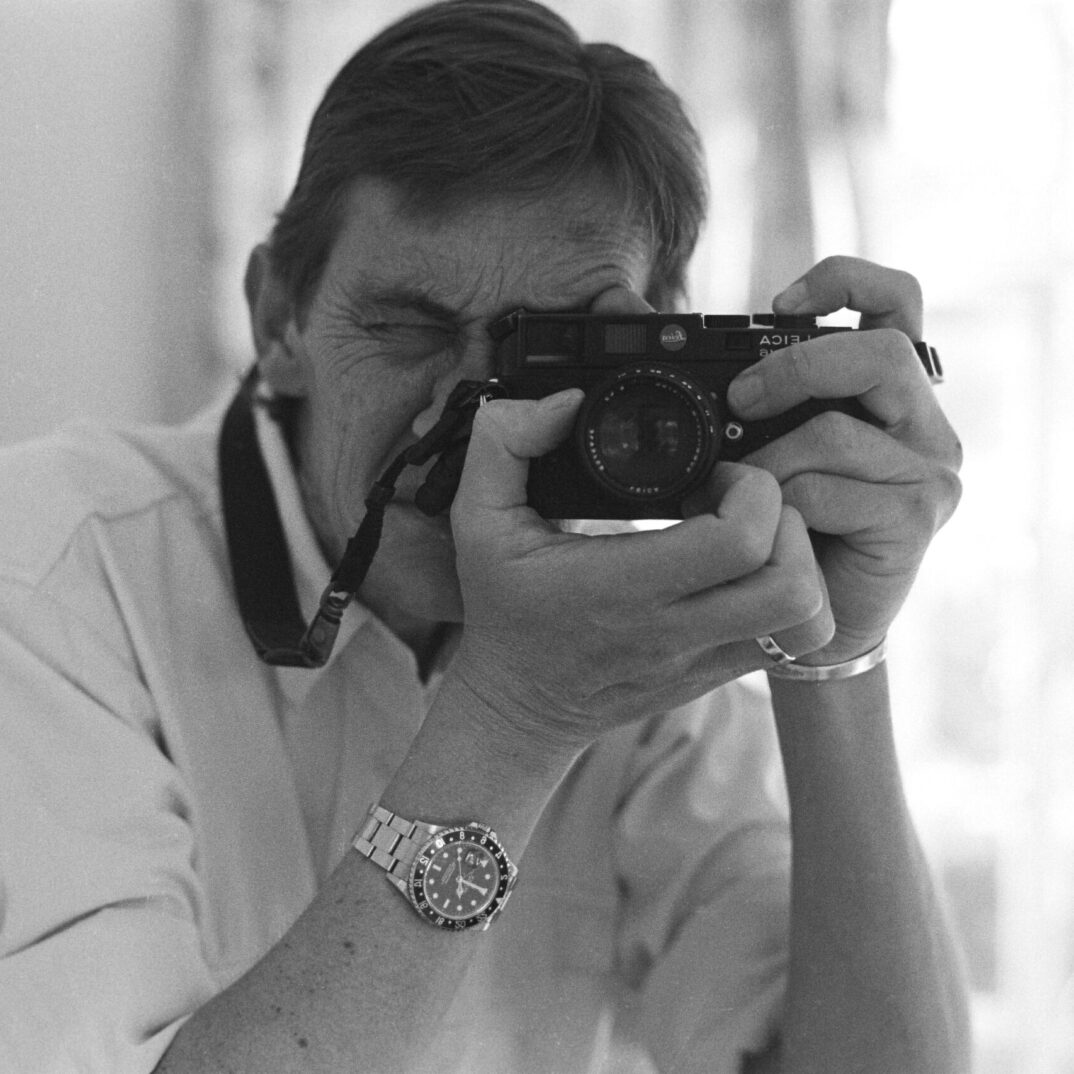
(885, 297)
(880, 367)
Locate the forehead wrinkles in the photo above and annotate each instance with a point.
(490, 259)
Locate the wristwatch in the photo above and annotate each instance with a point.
(456, 876)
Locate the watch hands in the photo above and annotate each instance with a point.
(458, 878)
(471, 884)
(461, 881)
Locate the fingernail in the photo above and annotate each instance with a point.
(793, 298)
(745, 390)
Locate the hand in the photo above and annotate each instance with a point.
(567, 635)
(875, 497)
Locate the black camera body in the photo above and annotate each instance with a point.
(655, 418)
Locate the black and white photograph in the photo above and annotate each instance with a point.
(534, 537)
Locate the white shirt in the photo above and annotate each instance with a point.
(169, 804)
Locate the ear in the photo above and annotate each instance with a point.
(280, 355)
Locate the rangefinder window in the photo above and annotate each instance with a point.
(556, 343)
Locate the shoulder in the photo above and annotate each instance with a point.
(83, 475)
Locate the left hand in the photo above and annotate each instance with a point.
(873, 496)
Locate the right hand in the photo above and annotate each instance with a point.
(566, 635)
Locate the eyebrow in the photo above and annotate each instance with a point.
(401, 297)
(411, 298)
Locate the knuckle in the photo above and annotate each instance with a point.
(755, 549)
(893, 344)
(765, 487)
(746, 550)
(957, 455)
(805, 493)
(802, 597)
(817, 633)
(800, 363)
(908, 285)
(919, 506)
(836, 429)
(954, 453)
(837, 265)
(951, 492)
(927, 504)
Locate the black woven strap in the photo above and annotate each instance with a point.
(257, 549)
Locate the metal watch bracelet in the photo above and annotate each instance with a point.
(392, 842)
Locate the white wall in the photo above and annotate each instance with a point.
(104, 213)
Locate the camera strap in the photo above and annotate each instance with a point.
(257, 549)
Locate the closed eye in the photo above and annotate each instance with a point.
(411, 341)
(386, 327)
(423, 336)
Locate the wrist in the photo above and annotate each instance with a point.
(842, 728)
(528, 709)
(857, 706)
(468, 762)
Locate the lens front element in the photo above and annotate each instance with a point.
(648, 433)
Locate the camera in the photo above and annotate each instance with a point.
(655, 418)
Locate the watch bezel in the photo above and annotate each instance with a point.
(486, 838)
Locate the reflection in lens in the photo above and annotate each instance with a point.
(648, 434)
(643, 442)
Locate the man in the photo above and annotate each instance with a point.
(192, 876)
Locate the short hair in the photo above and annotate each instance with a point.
(466, 99)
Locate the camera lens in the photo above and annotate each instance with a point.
(648, 433)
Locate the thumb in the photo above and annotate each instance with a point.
(506, 434)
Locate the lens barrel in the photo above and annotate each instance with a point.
(648, 432)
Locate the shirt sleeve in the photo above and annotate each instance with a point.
(703, 854)
(100, 956)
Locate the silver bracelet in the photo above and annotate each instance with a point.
(827, 672)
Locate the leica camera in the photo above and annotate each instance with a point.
(655, 418)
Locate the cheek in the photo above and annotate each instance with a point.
(363, 418)
(424, 420)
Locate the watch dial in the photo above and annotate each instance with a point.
(461, 879)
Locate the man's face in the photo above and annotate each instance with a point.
(399, 317)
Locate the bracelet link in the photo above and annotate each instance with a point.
(830, 672)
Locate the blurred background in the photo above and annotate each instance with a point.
(144, 148)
